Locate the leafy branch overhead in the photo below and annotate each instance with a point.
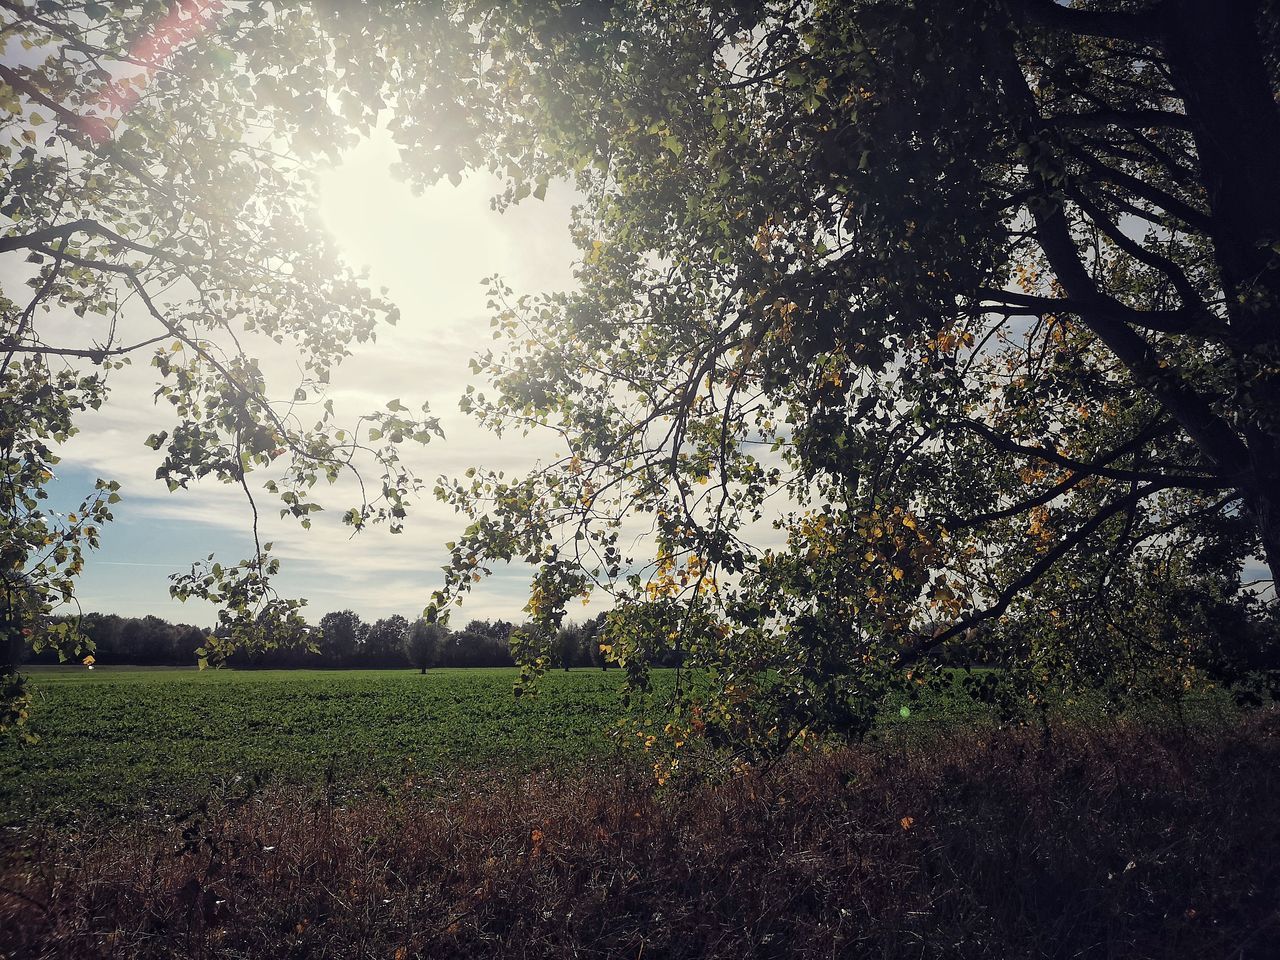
(157, 181)
(906, 335)
(978, 300)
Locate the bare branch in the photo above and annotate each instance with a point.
(1129, 119)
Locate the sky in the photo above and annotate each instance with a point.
(431, 252)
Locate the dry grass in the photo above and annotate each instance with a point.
(1118, 843)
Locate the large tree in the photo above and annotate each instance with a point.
(384, 643)
(342, 634)
(424, 643)
(984, 293)
(977, 298)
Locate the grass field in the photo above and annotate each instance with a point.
(1119, 841)
(136, 742)
(439, 816)
(128, 740)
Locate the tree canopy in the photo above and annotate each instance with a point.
(983, 293)
(906, 334)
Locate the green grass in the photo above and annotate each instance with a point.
(125, 741)
(134, 742)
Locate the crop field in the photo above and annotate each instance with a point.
(131, 741)
(137, 742)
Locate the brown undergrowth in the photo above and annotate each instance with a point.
(1125, 842)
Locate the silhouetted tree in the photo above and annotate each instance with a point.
(384, 646)
(424, 644)
(342, 632)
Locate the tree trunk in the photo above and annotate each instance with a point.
(11, 640)
(1266, 512)
(1216, 56)
(1215, 53)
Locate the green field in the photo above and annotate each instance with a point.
(131, 741)
(139, 742)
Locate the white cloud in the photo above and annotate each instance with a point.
(431, 252)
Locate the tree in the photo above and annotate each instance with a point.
(567, 648)
(983, 293)
(342, 633)
(424, 644)
(384, 644)
(159, 219)
(987, 291)
(497, 631)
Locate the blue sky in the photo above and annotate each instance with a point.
(147, 541)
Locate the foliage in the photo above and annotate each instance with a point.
(578, 644)
(384, 643)
(42, 552)
(342, 633)
(155, 173)
(346, 641)
(424, 643)
(135, 640)
(981, 294)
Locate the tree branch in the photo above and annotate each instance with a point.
(1196, 219)
(38, 237)
(97, 355)
(1033, 573)
(1183, 321)
(1212, 433)
(1142, 27)
(1096, 468)
(1129, 119)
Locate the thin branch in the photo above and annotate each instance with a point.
(1129, 119)
(1034, 572)
(1196, 219)
(96, 354)
(1073, 479)
(1191, 300)
(1097, 468)
(1210, 431)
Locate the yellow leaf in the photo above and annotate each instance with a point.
(907, 822)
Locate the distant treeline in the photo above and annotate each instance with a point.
(342, 639)
(146, 641)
